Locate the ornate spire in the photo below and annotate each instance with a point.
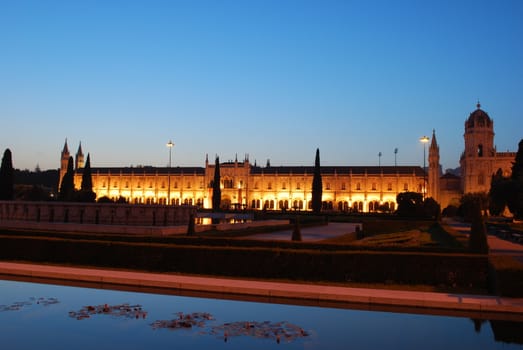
(478, 104)
(433, 143)
(66, 149)
(79, 152)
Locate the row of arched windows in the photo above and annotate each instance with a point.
(162, 201)
(358, 206)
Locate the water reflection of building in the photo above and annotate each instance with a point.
(362, 188)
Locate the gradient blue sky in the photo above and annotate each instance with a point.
(274, 79)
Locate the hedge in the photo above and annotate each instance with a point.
(438, 269)
(506, 276)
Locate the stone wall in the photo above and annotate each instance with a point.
(96, 213)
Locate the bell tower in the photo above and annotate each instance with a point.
(434, 168)
(477, 159)
(64, 160)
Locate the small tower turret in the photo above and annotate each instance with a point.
(64, 160)
(79, 163)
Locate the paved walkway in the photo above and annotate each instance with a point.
(497, 245)
(371, 299)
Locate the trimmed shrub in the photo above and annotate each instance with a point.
(296, 232)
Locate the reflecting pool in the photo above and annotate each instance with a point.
(46, 316)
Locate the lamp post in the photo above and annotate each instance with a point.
(424, 140)
(379, 160)
(395, 157)
(170, 145)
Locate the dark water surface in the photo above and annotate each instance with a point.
(45, 316)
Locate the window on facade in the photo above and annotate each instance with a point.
(175, 184)
(374, 186)
(188, 185)
(150, 185)
(127, 184)
(343, 186)
(228, 183)
(405, 186)
(298, 186)
(283, 186)
(389, 186)
(104, 184)
(163, 184)
(358, 186)
(256, 185)
(480, 151)
(115, 184)
(269, 186)
(139, 185)
(328, 186)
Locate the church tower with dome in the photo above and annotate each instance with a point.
(480, 159)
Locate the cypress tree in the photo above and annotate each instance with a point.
(190, 227)
(67, 186)
(86, 190)
(7, 191)
(216, 190)
(317, 186)
(517, 182)
(478, 231)
(296, 232)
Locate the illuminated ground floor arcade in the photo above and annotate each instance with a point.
(243, 186)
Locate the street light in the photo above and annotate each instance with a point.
(395, 157)
(424, 140)
(170, 145)
(379, 160)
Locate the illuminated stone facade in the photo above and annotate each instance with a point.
(248, 186)
(478, 162)
(480, 159)
(361, 188)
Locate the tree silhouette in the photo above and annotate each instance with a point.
(7, 177)
(409, 204)
(468, 204)
(296, 232)
(317, 184)
(67, 186)
(216, 190)
(432, 209)
(478, 231)
(190, 226)
(500, 193)
(86, 190)
(517, 180)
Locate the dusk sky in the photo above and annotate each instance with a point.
(274, 79)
